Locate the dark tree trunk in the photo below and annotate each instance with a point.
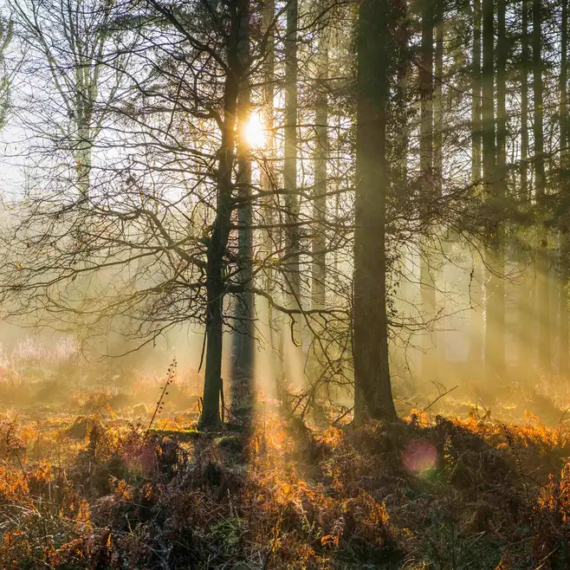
(217, 244)
(377, 22)
(498, 195)
(438, 98)
(543, 265)
(322, 151)
(243, 338)
(428, 186)
(272, 236)
(564, 333)
(290, 163)
(525, 64)
(476, 281)
(476, 95)
(494, 340)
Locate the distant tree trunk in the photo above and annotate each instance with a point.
(427, 280)
(476, 95)
(243, 337)
(564, 248)
(525, 63)
(270, 205)
(540, 187)
(377, 21)
(524, 307)
(321, 158)
(487, 75)
(499, 190)
(494, 339)
(476, 281)
(438, 98)
(290, 163)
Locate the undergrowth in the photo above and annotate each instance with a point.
(426, 492)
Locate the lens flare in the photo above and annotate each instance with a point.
(419, 457)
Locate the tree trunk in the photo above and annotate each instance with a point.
(270, 205)
(524, 308)
(373, 392)
(427, 281)
(322, 151)
(525, 57)
(438, 98)
(498, 190)
(243, 338)
(217, 244)
(476, 281)
(494, 341)
(290, 163)
(540, 187)
(564, 248)
(476, 95)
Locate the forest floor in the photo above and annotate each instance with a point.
(85, 484)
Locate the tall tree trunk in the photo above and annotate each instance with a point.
(564, 248)
(476, 95)
(494, 339)
(540, 187)
(476, 281)
(497, 309)
(427, 281)
(438, 98)
(525, 64)
(290, 163)
(243, 338)
(217, 244)
(373, 392)
(270, 206)
(524, 307)
(321, 158)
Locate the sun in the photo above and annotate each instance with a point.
(255, 131)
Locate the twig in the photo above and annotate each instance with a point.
(335, 422)
(438, 398)
(159, 405)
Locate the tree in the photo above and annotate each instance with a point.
(428, 182)
(69, 41)
(564, 265)
(494, 332)
(321, 159)
(525, 64)
(540, 189)
(5, 38)
(290, 155)
(377, 33)
(243, 357)
(476, 278)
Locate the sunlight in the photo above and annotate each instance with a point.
(255, 131)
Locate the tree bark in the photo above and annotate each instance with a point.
(564, 247)
(476, 281)
(218, 242)
(243, 338)
(321, 158)
(525, 57)
(290, 163)
(494, 340)
(543, 265)
(272, 236)
(438, 98)
(476, 95)
(427, 281)
(373, 392)
(498, 192)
